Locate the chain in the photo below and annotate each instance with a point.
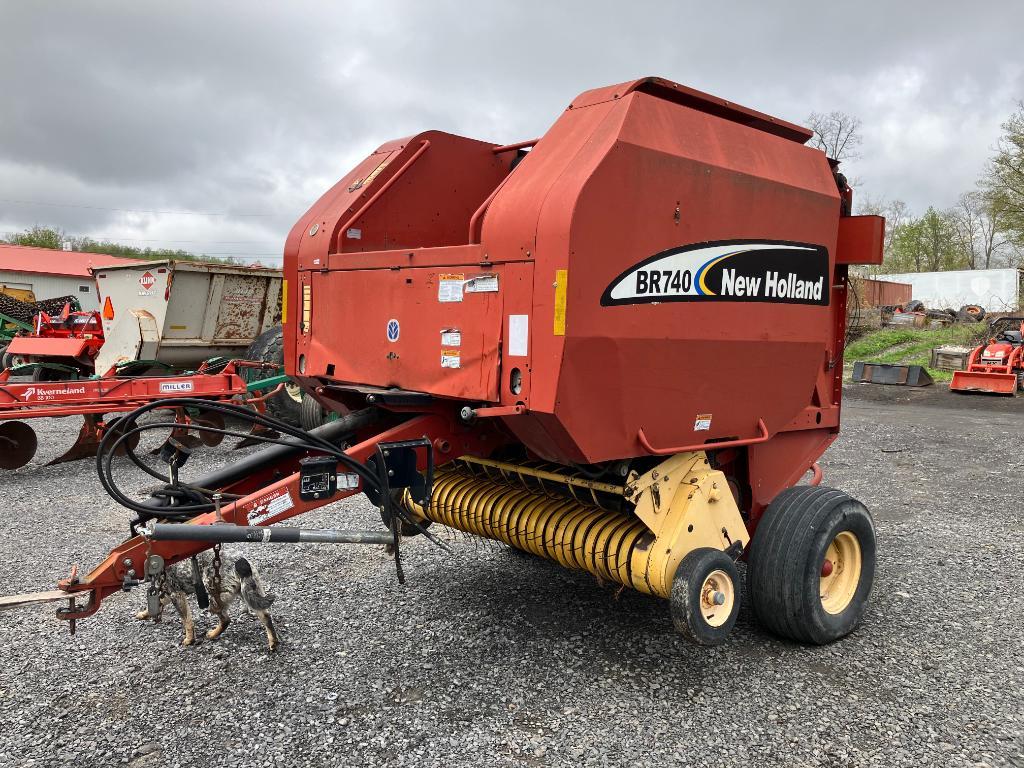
(216, 573)
(162, 590)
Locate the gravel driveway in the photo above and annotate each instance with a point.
(492, 658)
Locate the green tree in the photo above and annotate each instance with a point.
(925, 244)
(49, 237)
(39, 237)
(1003, 183)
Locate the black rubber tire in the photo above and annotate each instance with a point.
(45, 374)
(311, 414)
(786, 558)
(970, 313)
(268, 347)
(913, 306)
(684, 601)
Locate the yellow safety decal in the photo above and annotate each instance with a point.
(284, 301)
(307, 307)
(561, 282)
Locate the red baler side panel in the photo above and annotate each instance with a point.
(618, 182)
(626, 175)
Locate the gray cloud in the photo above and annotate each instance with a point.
(247, 108)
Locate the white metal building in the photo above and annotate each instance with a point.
(50, 274)
(997, 290)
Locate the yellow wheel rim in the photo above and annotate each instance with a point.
(840, 573)
(717, 597)
(294, 391)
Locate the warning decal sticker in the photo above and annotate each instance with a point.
(451, 337)
(451, 358)
(449, 287)
(269, 506)
(775, 271)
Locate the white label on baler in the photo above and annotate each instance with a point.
(449, 287)
(482, 284)
(268, 507)
(176, 386)
(354, 234)
(702, 423)
(348, 481)
(518, 335)
(451, 337)
(451, 358)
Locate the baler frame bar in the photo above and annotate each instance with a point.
(263, 506)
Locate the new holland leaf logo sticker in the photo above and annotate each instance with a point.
(776, 271)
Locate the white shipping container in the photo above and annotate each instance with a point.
(997, 290)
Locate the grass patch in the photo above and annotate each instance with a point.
(909, 346)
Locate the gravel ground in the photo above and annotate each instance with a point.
(495, 659)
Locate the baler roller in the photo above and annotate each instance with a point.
(577, 535)
(549, 479)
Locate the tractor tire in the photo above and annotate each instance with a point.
(268, 347)
(812, 564)
(44, 374)
(971, 313)
(705, 598)
(913, 306)
(311, 414)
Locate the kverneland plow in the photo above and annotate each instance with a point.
(95, 399)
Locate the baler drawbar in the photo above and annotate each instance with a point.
(618, 347)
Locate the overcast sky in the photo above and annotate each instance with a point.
(253, 109)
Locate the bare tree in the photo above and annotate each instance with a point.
(837, 134)
(895, 212)
(979, 229)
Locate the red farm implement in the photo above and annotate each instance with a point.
(96, 398)
(997, 366)
(618, 347)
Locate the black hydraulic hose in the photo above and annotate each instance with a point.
(333, 432)
(190, 497)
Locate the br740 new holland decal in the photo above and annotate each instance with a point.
(728, 270)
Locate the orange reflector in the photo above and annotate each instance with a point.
(108, 309)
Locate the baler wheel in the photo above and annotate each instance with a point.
(705, 597)
(268, 347)
(812, 564)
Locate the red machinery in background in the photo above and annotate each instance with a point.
(997, 366)
(620, 350)
(95, 398)
(61, 347)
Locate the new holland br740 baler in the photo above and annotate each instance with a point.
(618, 347)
